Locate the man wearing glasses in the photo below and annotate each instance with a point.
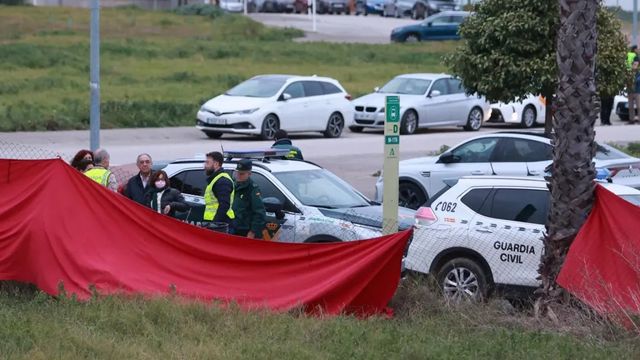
(137, 186)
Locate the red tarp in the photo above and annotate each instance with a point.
(56, 225)
(603, 265)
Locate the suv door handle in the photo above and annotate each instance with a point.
(484, 230)
(477, 172)
(534, 172)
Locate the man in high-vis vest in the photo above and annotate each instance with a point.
(218, 196)
(100, 172)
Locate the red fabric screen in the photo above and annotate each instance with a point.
(56, 225)
(602, 267)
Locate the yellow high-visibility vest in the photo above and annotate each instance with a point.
(99, 175)
(211, 202)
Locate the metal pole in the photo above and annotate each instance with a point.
(634, 31)
(246, 7)
(313, 16)
(94, 69)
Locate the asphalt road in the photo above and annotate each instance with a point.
(371, 29)
(354, 157)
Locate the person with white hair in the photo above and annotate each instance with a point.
(100, 172)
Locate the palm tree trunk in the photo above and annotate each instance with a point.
(572, 170)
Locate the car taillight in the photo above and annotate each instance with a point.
(425, 216)
(613, 170)
(348, 97)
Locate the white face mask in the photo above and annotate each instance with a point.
(160, 184)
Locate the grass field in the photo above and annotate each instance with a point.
(35, 326)
(158, 67)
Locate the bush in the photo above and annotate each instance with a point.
(200, 10)
(12, 2)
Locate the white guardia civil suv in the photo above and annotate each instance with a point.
(485, 233)
(263, 104)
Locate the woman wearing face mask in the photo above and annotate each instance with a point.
(162, 198)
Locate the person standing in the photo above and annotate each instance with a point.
(218, 195)
(100, 173)
(632, 69)
(247, 203)
(79, 161)
(162, 198)
(138, 185)
(633, 116)
(283, 142)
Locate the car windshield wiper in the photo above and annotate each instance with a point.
(359, 206)
(322, 206)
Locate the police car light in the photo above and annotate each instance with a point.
(602, 173)
(425, 216)
(255, 154)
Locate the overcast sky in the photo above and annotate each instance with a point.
(625, 4)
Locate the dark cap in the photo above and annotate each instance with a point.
(244, 165)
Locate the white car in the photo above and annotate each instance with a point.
(528, 112)
(263, 104)
(234, 6)
(485, 233)
(503, 153)
(426, 100)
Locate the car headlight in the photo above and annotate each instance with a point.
(395, 30)
(248, 111)
(382, 110)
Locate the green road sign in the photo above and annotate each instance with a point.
(393, 109)
(392, 140)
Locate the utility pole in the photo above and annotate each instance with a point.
(313, 15)
(634, 31)
(94, 69)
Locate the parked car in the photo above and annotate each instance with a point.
(426, 100)
(271, 6)
(263, 104)
(506, 153)
(398, 8)
(621, 107)
(425, 8)
(233, 6)
(304, 202)
(484, 233)
(366, 7)
(332, 7)
(441, 26)
(528, 112)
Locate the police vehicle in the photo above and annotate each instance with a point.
(481, 234)
(304, 202)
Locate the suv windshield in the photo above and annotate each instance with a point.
(606, 152)
(320, 188)
(406, 86)
(262, 87)
(634, 199)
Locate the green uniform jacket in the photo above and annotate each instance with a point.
(249, 208)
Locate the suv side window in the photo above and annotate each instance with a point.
(476, 200)
(440, 85)
(313, 88)
(193, 183)
(177, 181)
(522, 150)
(296, 90)
(530, 206)
(476, 151)
(267, 189)
(457, 19)
(329, 88)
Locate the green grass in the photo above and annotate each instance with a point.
(35, 326)
(158, 67)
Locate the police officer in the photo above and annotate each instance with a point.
(247, 203)
(100, 173)
(283, 142)
(218, 196)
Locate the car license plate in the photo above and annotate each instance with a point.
(364, 116)
(217, 121)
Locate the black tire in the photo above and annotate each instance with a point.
(409, 123)
(270, 125)
(528, 117)
(412, 38)
(463, 279)
(474, 119)
(335, 125)
(411, 195)
(356, 129)
(212, 134)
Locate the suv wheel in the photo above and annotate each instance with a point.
(270, 125)
(474, 120)
(334, 126)
(213, 134)
(411, 196)
(409, 123)
(528, 117)
(463, 279)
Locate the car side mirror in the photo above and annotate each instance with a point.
(448, 158)
(286, 97)
(274, 205)
(434, 93)
(376, 89)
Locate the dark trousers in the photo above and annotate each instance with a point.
(606, 105)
